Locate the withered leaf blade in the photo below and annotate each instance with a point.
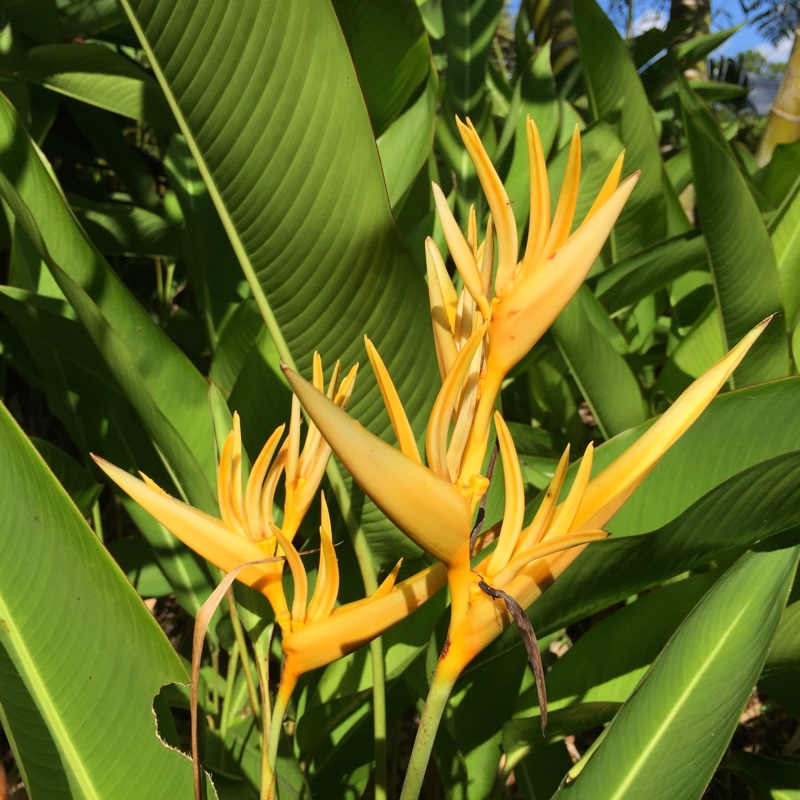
(520, 619)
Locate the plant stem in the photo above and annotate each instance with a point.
(262, 666)
(379, 717)
(426, 734)
(241, 641)
(370, 581)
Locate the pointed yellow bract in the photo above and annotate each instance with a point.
(246, 530)
(528, 294)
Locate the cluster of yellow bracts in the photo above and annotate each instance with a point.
(480, 334)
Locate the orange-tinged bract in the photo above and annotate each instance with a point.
(529, 293)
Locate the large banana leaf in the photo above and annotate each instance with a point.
(669, 737)
(267, 98)
(80, 666)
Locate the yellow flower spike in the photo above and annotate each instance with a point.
(541, 550)
(521, 317)
(442, 412)
(302, 486)
(487, 258)
(539, 216)
(464, 412)
(563, 519)
(397, 414)
(499, 204)
(444, 305)
(293, 445)
(327, 589)
(609, 186)
(544, 514)
(607, 492)
(567, 200)
(255, 484)
(299, 577)
(388, 582)
(462, 253)
(209, 537)
(229, 477)
(270, 485)
(514, 512)
(472, 230)
(427, 508)
(317, 377)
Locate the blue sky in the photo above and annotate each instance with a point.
(725, 13)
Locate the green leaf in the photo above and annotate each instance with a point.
(740, 253)
(773, 778)
(470, 26)
(80, 724)
(614, 90)
(779, 677)
(169, 394)
(391, 54)
(669, 737)
(606, 381)
(77, 482)
(757, 503)
(785, 235)
(122, 229)
(95, 74)
(406, 145)
(283, 142)
(631, 639)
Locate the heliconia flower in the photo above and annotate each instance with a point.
(246, 528)
(526, 561)
(437, 514)
(529, 293)
(424, 502)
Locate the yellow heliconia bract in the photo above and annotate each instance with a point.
(526, 561)
(246, 528)
(529, 293)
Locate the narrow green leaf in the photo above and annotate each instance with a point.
(757, 503)
(614, 89)
(606, 381)
(779, 677)
(649, 270)
(406, 144)
(95, 74)
(80, 722)
(669, 737)
(174, 394)
(740, 253)
(391, 54)
(785, 235)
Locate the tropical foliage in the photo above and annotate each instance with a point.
(195, 192)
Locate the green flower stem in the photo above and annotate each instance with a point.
(370, 581)
(261, 646)
(227, 711)
(426, 734)
(241, 641)
(379, 717)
